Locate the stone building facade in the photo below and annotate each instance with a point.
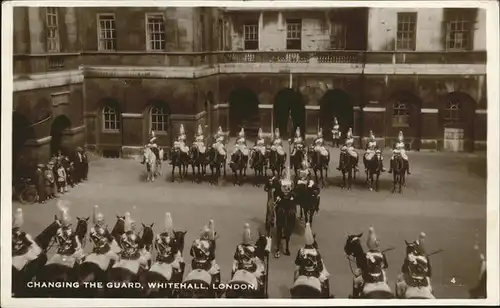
(105, 77)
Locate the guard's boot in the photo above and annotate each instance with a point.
(390, 168)
(356, 169)
(382, 161)
(408, 167)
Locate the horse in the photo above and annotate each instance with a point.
(272, 186)
(130, 270)
(217, 162)
(63, 268)
(162, 272)
(378, 290)
(238, 164)
(296, 158)
(373, 166)
(28, 265)
(347, 164)
(319, 163)
(398, 171)
(285, 223)
(180, 160)
(277, 162)
(150, 159)
(308, 200)
(197, 160)
(258, 164)
(119, 228)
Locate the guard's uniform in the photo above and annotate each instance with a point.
(104, 243)
(24, 248)
(348, 149)
(219, 142)
(336, 133)
(260, 143)
(297, 141)
(400, 149)
(181, 141)
(167, 247)
(199, 142)
(319, 144)
(372, 149)
(310, 263)
(241, 144)
(277, 144)
(203, 253)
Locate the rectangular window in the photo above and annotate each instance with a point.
(155, 32)
(406, 35)
(251, 36)
(52, 26)
(294, 34)
(221, 34)
(106, 32)
(338, 36)
(55, 63)
(459, 30)
(400, 115)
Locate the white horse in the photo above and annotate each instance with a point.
(150, 159)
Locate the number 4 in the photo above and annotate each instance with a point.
(453, 280)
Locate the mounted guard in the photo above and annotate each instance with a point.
(336, 134)
(305, 174)
(400, 149)
(24, 248)
(297, 141)
(199, 142)
(129, 243)
(241, 143)
(375, 268)
(168, 252)
(104, 243)
(372, 149)
(319, 143)
(219, 142)
(277, 143)
(348, 149)
(203, 253)
(309, 263)
(246, 257)
(260, 143)
(180, 143)
(285, 209)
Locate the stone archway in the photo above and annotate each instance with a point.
(456, 119)
(59, 125)
(243, 112)
(336, 103)
(289, 112)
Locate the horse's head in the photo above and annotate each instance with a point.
(44, 238)
(353, 246)
(179, 240)
(147, 235)
(81, 227)
(119, 227)
(412, 247)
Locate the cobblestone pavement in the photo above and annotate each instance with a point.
(445, 197)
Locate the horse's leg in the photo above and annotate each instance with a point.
(402, 177)
(287, 241)
(278, 244)
(349, 179)
(343, 180)
(394, 181)
(376, 181)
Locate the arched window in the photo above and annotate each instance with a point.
(452, 112)
(110, 119)
(400, 114)
(159, 119)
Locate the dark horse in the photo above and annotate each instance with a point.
(118, 275)
(319, 163)
(277, 162)
(91, 270)
(308, 200)
(273, 188)
(373, 167)
(347, 164)
(354, 249)
(180, 160)
(217, 162)
(398, 171)
(238, 164)
(285, 223)
(258, 164)
(20, 277)
(197, 160)
(62, 271)
(296, 158)
(159, 272)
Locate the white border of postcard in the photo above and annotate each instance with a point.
(492, 160)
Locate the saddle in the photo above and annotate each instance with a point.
(244, 151)
(199, 275)
(279, 150)
(131, 265)
(369, 155)
(308, 281)
(68, 261)
(220, 148)
(419, 292)
(101, 260)
(201, 147)
(322, 150)
(19, 262)
(244, 276)
(352, 152)
(163, 268)
(369, 287)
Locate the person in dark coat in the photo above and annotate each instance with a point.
(85, 165)
(40, 183)
(50, 185)
(78, 165)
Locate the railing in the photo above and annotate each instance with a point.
(29, 64)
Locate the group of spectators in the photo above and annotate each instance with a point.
(61, 173)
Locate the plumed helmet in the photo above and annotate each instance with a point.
(320, 133)
(18, 220)
(200, 130)
(182, 131)
(211, 228)
(305, 163)
(64, 212)
(246, 237)
(259, 133)
(400, 136)
(152, 134)
(276, 132)
(219, 130)
(349, 133)
(308, 235)
(297, 132)
(242, 133)
(372, 136)
(286, 181)
(372, 242)
(169, 224)
(98, 217)
(421, 242)
(128, 223)
(335, 121)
